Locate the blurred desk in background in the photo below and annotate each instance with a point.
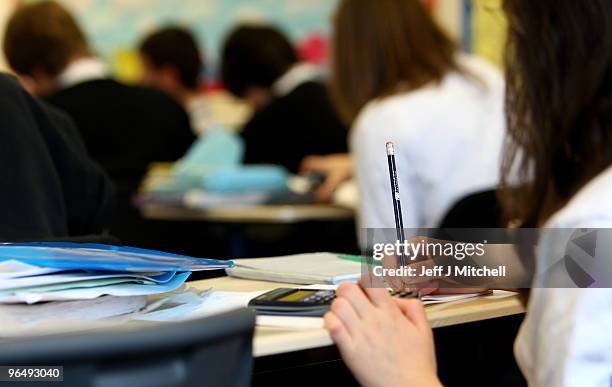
(263, 213)
(279, 214)
(248, 230)
(267, 230)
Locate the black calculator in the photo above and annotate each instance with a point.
(302, 302)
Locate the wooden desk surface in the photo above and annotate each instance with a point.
(272, 341)
(291, 213)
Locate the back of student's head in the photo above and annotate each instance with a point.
(255, 56)
(176, 48)
(384, 47)
(42, 37)
(559, 77)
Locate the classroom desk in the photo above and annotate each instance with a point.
(277, 214)
(273, 341)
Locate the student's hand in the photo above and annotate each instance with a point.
(425, 285)
(337, 169)
(384, 341)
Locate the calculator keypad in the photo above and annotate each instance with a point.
(321, 297)
(327, 296)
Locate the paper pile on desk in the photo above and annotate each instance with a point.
(36, 272)
(103, 312)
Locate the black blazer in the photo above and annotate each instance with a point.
(293, 126)
(49, 187)
(125, 128)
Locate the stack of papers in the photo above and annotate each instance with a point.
(305, 269)
(36, 272)
(444, 298)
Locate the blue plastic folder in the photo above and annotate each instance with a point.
(79, 256)
(247, 178)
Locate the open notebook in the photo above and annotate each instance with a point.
(304, 269)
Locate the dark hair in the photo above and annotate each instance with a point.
(42, 35)
(385, 47)
(559, 103)
(255, 56)
(176, 47)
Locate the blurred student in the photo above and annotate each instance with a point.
(125, 128)
(49, 188)
(173, 63)
(294, 116)
(560, 125)
(397, 77)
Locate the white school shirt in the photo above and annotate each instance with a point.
(200, 115)
(566, 337)
(448, 139)
(298, 74)
(83, 70)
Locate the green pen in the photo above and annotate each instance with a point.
(352, 258)
(359, 259)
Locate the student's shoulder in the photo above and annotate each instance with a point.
(267, 119)
(152, 97)
(9, 83)
(480, 67)
(286, 108)
(12, 91)
(17, 101)
(590, 207)
(309, 88)
(149, 94)
(401, 111)
(305, 98)
(110, 90)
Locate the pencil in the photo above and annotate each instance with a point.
(395, 197)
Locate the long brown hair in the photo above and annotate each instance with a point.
(559, 103)
(384, 47)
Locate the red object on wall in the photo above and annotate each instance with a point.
(314, 49)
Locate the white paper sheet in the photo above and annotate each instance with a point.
(97, 309)
(197, 305)
(66, 278)
(16, 269)
(90, 293)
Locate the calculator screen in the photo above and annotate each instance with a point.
(295, 296)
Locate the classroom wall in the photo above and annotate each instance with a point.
(115, 27)
(489, 30)
(448, 14)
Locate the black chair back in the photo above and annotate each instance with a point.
(215, 351)
(478, 210)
